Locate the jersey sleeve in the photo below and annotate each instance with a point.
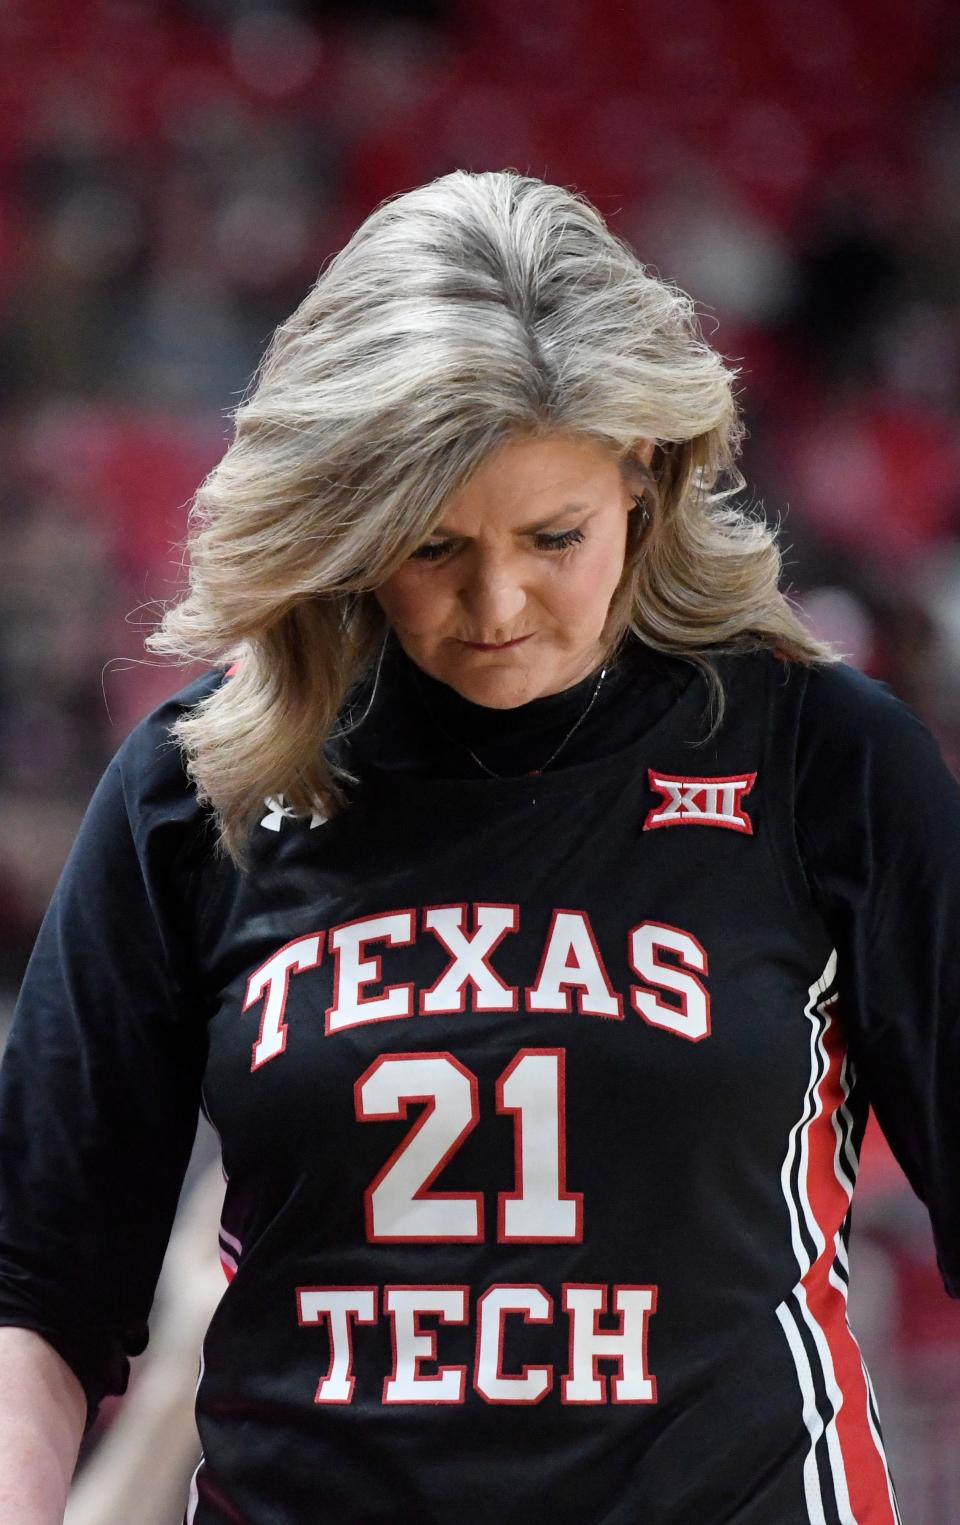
(878, 830)
(101, 1074)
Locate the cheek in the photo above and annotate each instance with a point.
(408, 603)
(594, 574)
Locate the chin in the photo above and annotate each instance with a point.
(494, 688)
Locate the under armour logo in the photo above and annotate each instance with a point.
(700, 801)
(278, 812)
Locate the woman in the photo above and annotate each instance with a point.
(540, 1115)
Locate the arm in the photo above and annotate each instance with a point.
(43, 1411)
(878, 826)
(99, 1101)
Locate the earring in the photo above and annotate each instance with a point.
(643, 509)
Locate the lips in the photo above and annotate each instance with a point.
(495, 646)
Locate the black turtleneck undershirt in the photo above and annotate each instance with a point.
(418, 723)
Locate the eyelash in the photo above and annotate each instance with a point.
(565, 541)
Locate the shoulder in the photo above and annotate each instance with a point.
(144, 832)
(851, 734)
(846, 712)
(874, 800)
(867, 763)
(157, 790)
(844, 718)
(838, 705)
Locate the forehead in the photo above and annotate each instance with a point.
(528, 476)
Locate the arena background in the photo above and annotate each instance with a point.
(173, 176)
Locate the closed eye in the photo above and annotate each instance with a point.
(565, 540)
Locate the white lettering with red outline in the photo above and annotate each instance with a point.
(272, 980)
(447, 995)
(536, 1307)
(337, 1305)
(405, 1306)
(398, 1208)
(539, 1210)
(340, 1308)
(700, 801)
(646, 942)
(585, 1302)
(571, 933)
(352, 971)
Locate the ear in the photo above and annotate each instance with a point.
(643, 450)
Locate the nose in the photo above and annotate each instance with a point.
(493, 598)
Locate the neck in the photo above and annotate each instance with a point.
(541, 713)
(417, 723)
(480, 738)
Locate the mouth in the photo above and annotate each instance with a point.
(498, 646)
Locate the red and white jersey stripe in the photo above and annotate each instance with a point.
(846, 1475)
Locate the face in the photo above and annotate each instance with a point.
(529, 551)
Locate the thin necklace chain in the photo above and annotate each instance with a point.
(532, 772)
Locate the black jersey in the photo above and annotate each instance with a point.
(540, 1101)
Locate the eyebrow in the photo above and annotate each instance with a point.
(526, 529)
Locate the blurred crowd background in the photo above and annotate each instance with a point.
(174, 173)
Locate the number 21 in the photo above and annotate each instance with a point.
(398, 1207)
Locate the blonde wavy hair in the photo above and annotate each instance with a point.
(473, 309)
